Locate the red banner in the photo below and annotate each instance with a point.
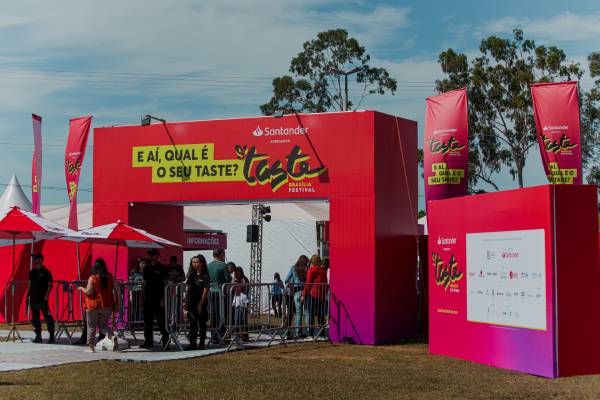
(79, 128)
(36, 164)
(446, 146)
(556, 111)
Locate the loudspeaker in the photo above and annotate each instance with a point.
(252, 233)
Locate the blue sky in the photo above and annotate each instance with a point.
(118, 60)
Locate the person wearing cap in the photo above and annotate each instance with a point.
(155, 275)
(39, 287)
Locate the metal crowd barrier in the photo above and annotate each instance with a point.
(130, 317)
(68, 308)
(16, 307)
(301, 311)
(304, 313)
(176, 318)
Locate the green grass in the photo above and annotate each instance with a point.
(303, 371)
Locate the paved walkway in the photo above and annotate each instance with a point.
(27, 355)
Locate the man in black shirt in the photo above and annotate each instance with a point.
(40, 285)
(155, 275)
(175, 271)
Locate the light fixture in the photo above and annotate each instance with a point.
(278, 113)
(147, 119)
(265, 213)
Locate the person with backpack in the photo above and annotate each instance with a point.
(102, 296)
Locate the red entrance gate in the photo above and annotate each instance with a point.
(364, 163)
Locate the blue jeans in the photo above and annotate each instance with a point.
(297, 314)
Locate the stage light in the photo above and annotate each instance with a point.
(265, 210)
(267, 217)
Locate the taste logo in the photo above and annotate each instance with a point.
(446, 275)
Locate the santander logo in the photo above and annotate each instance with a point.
(258, 132)
(446, 240)
(281, 131)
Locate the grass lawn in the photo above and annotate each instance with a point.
(307, 371)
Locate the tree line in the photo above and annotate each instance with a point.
(334, 72)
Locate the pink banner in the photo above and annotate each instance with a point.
(446, 146)
(79, 128)
(556, 111)
(36, 164)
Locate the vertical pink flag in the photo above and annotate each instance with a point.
(79, 128)
(36, 164)
(446, 146)
(556, 111)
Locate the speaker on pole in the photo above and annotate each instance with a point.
(252, 233)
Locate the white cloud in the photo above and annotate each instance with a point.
(562, 27)
(241, 44)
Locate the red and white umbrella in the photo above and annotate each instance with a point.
(18, 226)
(120, 234)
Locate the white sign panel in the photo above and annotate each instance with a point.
(506, 278)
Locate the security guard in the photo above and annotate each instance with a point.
(155, 275)
(40, 285)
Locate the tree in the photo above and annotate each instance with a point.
(590, 124)
(320, 72)
(501, 123)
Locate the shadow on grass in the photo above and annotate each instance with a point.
(19, 383)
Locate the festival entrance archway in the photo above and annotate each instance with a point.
(364, 163)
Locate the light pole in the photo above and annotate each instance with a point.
(345, 73)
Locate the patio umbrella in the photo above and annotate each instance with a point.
(120, 234)
(19, 226)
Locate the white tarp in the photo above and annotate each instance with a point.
(290, 233)
(283, 242)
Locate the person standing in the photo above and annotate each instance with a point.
(239, 303)
(136, 279)
(196, 301)
(175, 276)
(155, 275)
(102, 296)
(175, 271)
(295, 279)
(231, 268)
(217, 270)
(39, 287)
(277, 295)
(314, 293)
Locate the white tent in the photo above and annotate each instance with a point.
(14, 196)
